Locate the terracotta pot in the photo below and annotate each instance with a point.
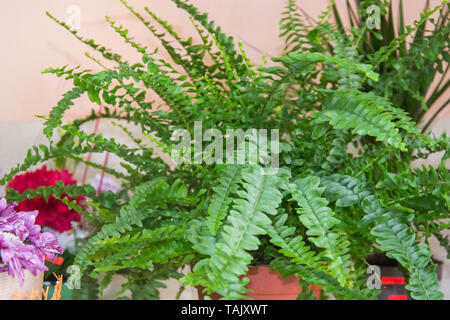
(10, 288)
(267, 285)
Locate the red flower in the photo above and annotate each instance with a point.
(54, 214)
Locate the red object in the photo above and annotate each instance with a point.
(270, 285)
(58, 260)
(398, 297)
(105, 163)
(392, 280)
(54, 213)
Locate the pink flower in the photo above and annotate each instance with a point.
(22, 245)
(54, 213)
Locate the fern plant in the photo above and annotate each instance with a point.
(409, 59)
(317, 215)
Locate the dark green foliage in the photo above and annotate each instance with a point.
(219, 205)
(320, 222)
(408, 58)
(247, 218)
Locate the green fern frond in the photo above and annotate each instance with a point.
(321, 224)
(56, 115)
(292, 246)
(392, 232)
(385, 52)
(228, 184)
(130, 215)
(200, 237)
(292, 28)
(247, 219)
(363, 113)
(338, 153)
(222, 40)
(294, 59)
(152, 246)
(398, 240)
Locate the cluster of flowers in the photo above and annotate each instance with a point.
(22, 245)
(52, 213)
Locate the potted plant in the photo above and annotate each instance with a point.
(300, 204)
(23, 249)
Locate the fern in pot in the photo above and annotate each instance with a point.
(315, 212)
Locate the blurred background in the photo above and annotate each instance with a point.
(32, 42)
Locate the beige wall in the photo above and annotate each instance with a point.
(31, 42)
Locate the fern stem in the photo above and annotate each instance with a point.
(386, 150)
